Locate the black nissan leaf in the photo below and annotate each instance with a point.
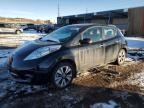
(58, 57)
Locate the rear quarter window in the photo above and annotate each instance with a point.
(93, 33)
(109, 32)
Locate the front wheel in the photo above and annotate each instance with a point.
(62, 75)
(121, 57)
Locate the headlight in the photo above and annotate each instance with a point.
(42, 52)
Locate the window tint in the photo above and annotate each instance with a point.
(109, 32)
(95, 34)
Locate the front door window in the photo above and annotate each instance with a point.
(94, 34)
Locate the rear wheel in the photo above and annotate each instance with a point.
(62, 75)
(121, 57)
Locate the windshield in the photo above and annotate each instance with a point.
(61, 35)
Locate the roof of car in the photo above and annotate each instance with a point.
(92, 24)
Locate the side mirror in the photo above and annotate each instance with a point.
(85, 41)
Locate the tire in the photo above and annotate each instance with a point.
(121, 57)
(62, 75)
(18, 32)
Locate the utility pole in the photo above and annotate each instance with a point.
(85, 15)
(109, 18)
(58, 9)
(86, 10)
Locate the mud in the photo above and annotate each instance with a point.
(110, 86)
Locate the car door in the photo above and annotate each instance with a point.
(111, 42)
(91, 54)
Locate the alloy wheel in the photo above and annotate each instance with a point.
(121, 56)
(63, 76)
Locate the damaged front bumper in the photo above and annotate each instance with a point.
(29, 76)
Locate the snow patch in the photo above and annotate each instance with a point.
(110, 104)
(67, 98)
(136, 54)
(129, 60)
(13, 40)
(135, 38)
(137, 79)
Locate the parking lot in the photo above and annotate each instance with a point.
(13, 40)
(109, 86)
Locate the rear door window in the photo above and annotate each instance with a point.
(109, 32)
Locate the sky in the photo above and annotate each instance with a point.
(48, 9)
